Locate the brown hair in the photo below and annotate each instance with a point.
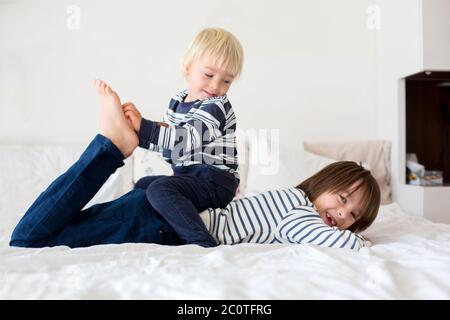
(340, 176)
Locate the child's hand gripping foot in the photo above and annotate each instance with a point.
(113, 124)
(132, 115)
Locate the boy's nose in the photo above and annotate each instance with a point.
(343, 213)
(214, 85)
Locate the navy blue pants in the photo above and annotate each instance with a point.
(56, 217)
(180, 198)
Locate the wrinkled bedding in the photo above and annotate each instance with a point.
(409, 259)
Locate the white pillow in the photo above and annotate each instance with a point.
(27, 170)
(314, 163)
(274, 165)
(243, 159)
(374, 154)
(149, 163)
(119, 183)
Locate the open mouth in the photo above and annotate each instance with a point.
(330, 220)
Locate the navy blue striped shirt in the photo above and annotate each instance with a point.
(199, 132)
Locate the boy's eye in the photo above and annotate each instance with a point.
(227, 81)
(343, 199)
(208, 75)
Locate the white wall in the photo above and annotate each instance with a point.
(436, 33)
(414, 36)
(399, 54)
(309, 65)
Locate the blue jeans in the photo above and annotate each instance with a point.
(180, 198)
(56, 217)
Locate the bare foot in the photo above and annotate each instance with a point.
(113, 124)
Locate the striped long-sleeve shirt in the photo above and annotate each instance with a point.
(199, 132)
(277, 216)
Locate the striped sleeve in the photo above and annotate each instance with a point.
(303, 225)
(204, 126)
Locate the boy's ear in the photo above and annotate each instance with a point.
(186, 70)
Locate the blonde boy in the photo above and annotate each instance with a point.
(197, 137)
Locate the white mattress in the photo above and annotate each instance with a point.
(409, 259)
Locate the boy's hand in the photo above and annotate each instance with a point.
(133, 115)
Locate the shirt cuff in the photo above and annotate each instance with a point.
(148, 133)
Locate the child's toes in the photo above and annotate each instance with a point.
(97, 85)
(102, 87)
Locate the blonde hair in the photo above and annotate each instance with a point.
(340, 176)
(218, 44)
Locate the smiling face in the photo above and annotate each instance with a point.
(340, 209)
(206, 80)
(345, 194)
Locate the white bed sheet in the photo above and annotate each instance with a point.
(409, 259)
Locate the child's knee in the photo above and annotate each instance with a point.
(145, 182)
(159, 190)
